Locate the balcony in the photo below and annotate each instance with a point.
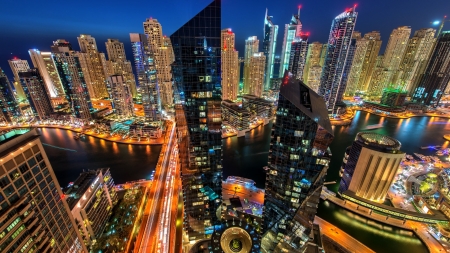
(43, 232)
(30, 214)
(31, 224)
(24, 209)
(43, 243)
(36, 229)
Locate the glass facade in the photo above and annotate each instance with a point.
(196, 73)
(9, 109)
(36, 93)
(269, 47)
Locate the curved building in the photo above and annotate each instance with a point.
(370, 165)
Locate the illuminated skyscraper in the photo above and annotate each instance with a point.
(269, 47)
(230, 66)
(297, 56)
(146, 72)
(69, 69)
(255, 75)
(17, 66)
(415, 58)
(120, 95)
(298, 162)
(251, 47)
(9, 108)
(437, 74)
(162, 51)
(292, 31)
(378, 78)
(94, 67)
(199, 118)
(36, 92)
(35, 215)
(333, 79)
(363, 64)
(119, 65)
(313, 65)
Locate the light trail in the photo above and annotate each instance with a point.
(48, 145)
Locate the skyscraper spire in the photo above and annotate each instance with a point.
(298, 13)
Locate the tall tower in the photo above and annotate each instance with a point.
(332, 85)
(255, 75)
(251, 48)
(36, 92)
(9, 109)
(199, 119)
(415, 58)
(230, 66)
(298, 162)
(313, 65)
(120, 95)
(162, 50)
(119, 65)
(363, 64)
(147, 76)
(437, 74)
(297, 56)
(37, 57)
(17, 66)
(291, 31)
(69, 69)
(94, 67)
(269, 47)
(35, 214)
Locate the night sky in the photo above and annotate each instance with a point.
(27, 24)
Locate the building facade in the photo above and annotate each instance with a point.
(120, 95)
(17, 66)
(35, 215)
(269, 48)
(255, 82)
(230, 66)
(298, 161)
(199, 119)
(291, 31)
(37, 94)
(332, 85)
(9, 109)
(297, 56)
(313, 65)
(235, 116)
(251, 48)
(370, 165)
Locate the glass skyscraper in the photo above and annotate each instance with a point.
(9, 109)
(196, 73)
(298, 161)
(291, 31)
(333, 81)
(269, 46)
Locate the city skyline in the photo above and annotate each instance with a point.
(315, 18)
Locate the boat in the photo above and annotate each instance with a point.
(375, 126)
(409, 157)
(76, 137)
(240, 180)
(421, 157)
(433, 147)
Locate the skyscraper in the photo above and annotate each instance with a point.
(313, 65)
(255, 75)
(437, 74)
(298, 161)
(94, 67)
(199, 120)
(147, 76)
(230, 66)
(415, 58)
(36, 93)
(17, 66)
(332, 86)
(347, 69)
(119, 65)
(69, 69)
(269, 47)
(161, 48)
(363, 64)
(378, 78)
(251, 47)
(9, 109)
(291, 31)
(297, 56)
(120, 95)
(34, 213)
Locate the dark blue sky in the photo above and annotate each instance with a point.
(29, 24)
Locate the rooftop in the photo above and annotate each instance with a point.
(378, 140)
(75, 190)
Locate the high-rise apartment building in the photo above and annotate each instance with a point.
(434, 81)
(377, 81)
(69, 69)
(120, 95)
(9, 108)
(91, 198)
(269, 47)
(291, 31)
(255, 82)
(313, 65)
(17, 66)
(162, 50)
(415, 59)
(94, 66)
(35, 215)
(230, 66)
(363, 64)
(297, 56)
(370, 165)
(118, 64)
(251, 47)
(145, 64)
(333, 80)
(298, 161)
(199, 119)
(36, 93)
